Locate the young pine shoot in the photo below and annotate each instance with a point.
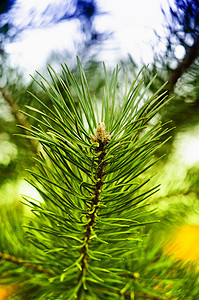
(92, 174)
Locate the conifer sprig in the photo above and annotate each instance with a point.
(91, 176)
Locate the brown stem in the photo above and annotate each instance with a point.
(21, 262)
(92, 216)
(19, 116)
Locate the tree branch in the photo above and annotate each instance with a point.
(184, 65)
(21, 262)
(173, 76)
(40, 269)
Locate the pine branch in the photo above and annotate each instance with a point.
(88, 227)
(87, 230)
(175, 74)
(20, 117)
(184, 65)
(21, 262)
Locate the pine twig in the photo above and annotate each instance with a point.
(21, 262)
(102, 137)
(20, 117)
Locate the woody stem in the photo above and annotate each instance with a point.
(91, 217)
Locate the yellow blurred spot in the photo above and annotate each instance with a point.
(6, 292)
(184, 243)
(136, 275)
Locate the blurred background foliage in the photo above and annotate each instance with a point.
(178, 172)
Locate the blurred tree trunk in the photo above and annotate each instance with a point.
(183, 66)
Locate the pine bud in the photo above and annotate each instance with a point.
(101, 136)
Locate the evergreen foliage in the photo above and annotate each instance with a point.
(85, 239)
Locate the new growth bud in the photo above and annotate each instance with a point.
(101, 136)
